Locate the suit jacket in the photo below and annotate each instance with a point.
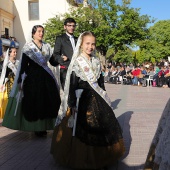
(62, 47)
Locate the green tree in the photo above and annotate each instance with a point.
(53, 27)
(89, 19)
(156, 45)
(126, 24)
(124, 56)
(115, 26)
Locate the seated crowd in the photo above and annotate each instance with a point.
(140, 75)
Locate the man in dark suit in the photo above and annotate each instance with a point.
(64, 48)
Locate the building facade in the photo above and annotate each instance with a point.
(34, 12)
(17, 17)
(7, 24)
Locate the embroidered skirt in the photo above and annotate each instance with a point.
(98, 141)
(3, 103)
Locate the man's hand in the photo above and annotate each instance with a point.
(64, 58)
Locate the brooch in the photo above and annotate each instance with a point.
(35, 50)
(43, 53)
(86, 69)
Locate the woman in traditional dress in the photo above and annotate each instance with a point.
(9, 69)
(39, 106)
(98, 140)
(158, 157)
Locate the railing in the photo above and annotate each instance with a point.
(8, 37)
(8, 42)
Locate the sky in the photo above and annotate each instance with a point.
(157, 9)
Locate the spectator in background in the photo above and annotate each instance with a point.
(166, 63)
(109, 65)
(146, 65)
(160, 77)
(114, 76)
(106, 78)
(143, 73)
(150, 72)
(121, 73)
(161, 63)
(166, 78)
(131, 66)
(135, 75)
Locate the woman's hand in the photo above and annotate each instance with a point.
(19, 87)
(73, 110)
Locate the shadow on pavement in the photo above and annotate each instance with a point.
(124, 120)
(24, 150)
(115, 103)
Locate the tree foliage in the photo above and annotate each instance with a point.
(124, 56)
(53, 27)
(91, 20)
(115, 26)
(126, 24)
(156, 45)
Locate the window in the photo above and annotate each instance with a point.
(6, 31)
(33, 10)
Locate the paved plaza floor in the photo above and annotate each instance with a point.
(138, 110)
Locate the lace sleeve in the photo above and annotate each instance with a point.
(24, 65)
(73, 86)
(101, 82)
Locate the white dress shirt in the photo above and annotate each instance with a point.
(71, 37)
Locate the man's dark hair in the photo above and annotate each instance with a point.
(69, 20)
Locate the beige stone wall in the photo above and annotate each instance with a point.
(6, 20)
(7, 5)
(6, 16)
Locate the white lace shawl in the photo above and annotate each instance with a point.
(94, 64)
(48, 51)
(4, 67)
(162, 140)
(13, 66)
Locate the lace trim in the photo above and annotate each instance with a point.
(162, 139)
(13, 66)
(41, 58)
(95, 65)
